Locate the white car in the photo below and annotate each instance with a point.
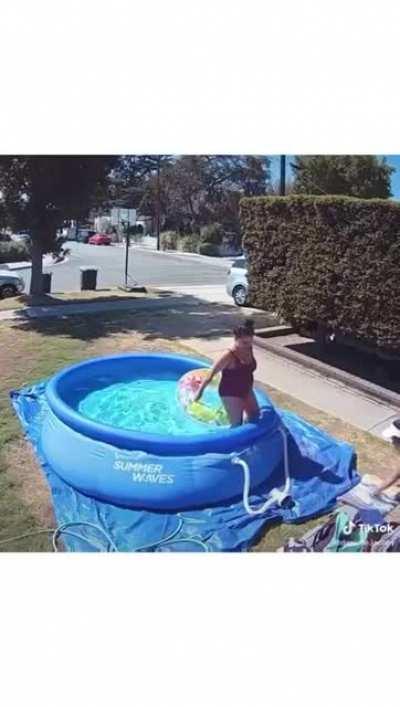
(237, 285)
(21, 237)
(10, 284)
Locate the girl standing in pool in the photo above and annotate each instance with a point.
(237, 366)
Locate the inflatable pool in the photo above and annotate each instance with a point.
(89, 445)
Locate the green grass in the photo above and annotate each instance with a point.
(35, 350)
(31, 353)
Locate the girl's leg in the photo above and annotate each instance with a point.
(234, 408)
(251, 409)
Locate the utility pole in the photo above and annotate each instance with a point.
(158, 202)
(283, 175)
(127, 244)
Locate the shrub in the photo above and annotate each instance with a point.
(13, 252)
(208, 249)
(213, 233)
(169, 240)
(189, 243)
(135, 230)
(330, 263)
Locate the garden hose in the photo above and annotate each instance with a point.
(276, 496)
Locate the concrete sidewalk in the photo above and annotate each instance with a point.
(311, 388)
(88, 308)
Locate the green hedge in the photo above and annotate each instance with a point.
(13, 252)
(328, 263)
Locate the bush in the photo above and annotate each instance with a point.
(136, 230)
(189, 244)
(213, 233)
(169, 240)
(327, 263)
(208, 249)
(13, 252)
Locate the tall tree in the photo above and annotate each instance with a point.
(364, 176)
(40, 193)
(198, 189)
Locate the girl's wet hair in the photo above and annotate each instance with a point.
(246, 329)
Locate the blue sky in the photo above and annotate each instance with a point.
(393, 160)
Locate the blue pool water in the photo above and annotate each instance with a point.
(147, 405)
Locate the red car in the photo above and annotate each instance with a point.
(100, 239)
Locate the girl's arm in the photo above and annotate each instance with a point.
(217, 367)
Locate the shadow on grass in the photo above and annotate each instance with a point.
(182, 318)
(55, 299)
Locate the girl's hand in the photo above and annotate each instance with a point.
(197, 396)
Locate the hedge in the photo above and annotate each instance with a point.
(171, 240)
(329, 263)
(13, 253)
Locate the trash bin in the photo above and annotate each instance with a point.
(46, 283)
(88, 278)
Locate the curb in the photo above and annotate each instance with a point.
(278, 330)
(25, 265)
(372, 390)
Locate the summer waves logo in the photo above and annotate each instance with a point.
(143, 473)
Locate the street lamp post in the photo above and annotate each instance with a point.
(283, 175)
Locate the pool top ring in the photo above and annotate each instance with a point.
(188, 386)
(142, 470)
(62, 392)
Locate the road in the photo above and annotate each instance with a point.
(145, 267)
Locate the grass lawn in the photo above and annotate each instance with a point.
(33, 350)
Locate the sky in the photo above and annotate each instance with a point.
(393, 160)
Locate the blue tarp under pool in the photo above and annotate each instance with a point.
(321, 469)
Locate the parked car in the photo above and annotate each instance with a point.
(100, 239)
(5, 238)
(21, 237)
(84, 234)
(11, 284)
(237, 285)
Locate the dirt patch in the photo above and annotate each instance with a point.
(30, 482)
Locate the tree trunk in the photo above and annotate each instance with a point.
(37, 267)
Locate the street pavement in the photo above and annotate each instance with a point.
(146, 267)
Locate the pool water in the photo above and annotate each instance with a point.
(147, 405)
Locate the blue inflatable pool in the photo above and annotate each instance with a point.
(136, 469)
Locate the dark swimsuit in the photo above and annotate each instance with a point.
(237, 382)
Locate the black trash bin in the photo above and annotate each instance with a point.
(88, 278)
(46, 283)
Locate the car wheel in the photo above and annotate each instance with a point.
(8, 291)
(239, 295)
